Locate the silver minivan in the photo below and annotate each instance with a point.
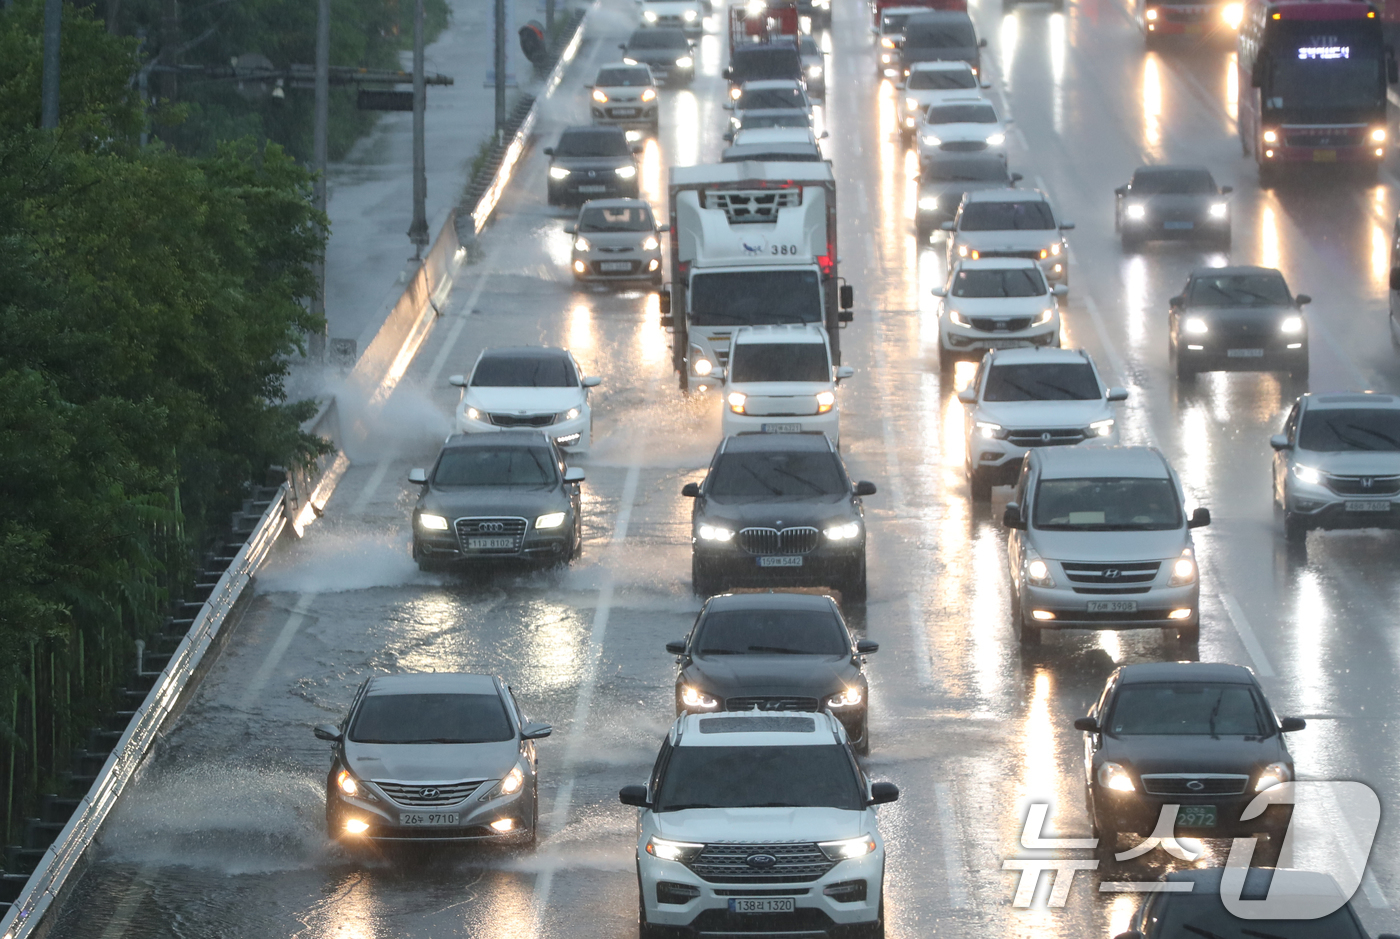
(1100, 539)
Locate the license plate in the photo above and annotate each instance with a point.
(1244, 353)
(1195, 816)
(427, 819)
(593, 189)
(624, 112)
(782, 428)
(1324, 156)
(762, 904)
(474, 544)
(780, 560)
(1193, 29)
(1112, 606)
(615, 266)
(1178, 226)
(1367, 505)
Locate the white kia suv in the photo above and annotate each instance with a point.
(1000, 303)
(780, 381)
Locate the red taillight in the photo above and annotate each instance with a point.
(682, 269)
(825, 263)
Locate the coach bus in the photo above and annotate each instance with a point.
(1313, 76)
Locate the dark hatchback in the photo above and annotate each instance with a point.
(666, 49)
(1197, 735)
(592, 163)
(1172, 202)
(763, 61)
(774, 652)
(1238, 319)
(778, 509)
(494, 497)
(943, 184)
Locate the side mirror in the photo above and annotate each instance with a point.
(719, 374)
(1301, 300)
(985, 84)
(1200, 518)
(622, 46)
(1176, 301)
(1117, 394)
(570, 229)
(1121, 191)
(633, 795)
(946, 226)
(1060, 290)
(1066, 226)
(1290, 724)
(1086, 724)
(843, 372)
(845, 316)
(847, 296)
(457, 381)
(1279, 442)
(1011, 518)
(728, 105)
(663, 302)
(981, 43)
(866, 647)
(592, 381)
(676, 648)
(1226, 190)
(729, 136)
(418, 476)
(939, 291)
(882, 792)
(574, 474)
(535, 731)
(968, 396)
(638, 147)
(899, 85)
(662, 228)
(1016, 178)
(728, 73)
(549, 151)
(327, 732)
(691, 490)
(865, 488)
(823, 135)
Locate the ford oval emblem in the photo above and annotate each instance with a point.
(761, 861)
(1195, 785)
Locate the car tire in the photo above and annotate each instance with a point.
(853, 585)
(979, 486)
(1295, 530)
(1185, 371)
(862, 746)
(1131, 243)
(702, 581)
(1223, 242)
(1189, 635)
(576, 542)
(1268, 176)
(1300, 369)
(1026, 634)
(646, 930)
(947, 364)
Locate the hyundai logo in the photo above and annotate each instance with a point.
(1195, 785)
(492, 526)
(761, 861)
(428, 792)
(1112, 573)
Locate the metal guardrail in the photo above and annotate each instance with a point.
(63, 855)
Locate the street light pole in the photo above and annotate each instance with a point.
(53, 17)
(500, 67)
(418, 231)
(320, 155)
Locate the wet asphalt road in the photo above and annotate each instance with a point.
(224, 835)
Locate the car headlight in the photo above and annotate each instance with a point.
(512, 782)
(558, 172)
(1101, 428)
(703, 367)
(600, 96)
(649, 16)
(1218, 210)
(1378, 135)
(1272, 775)
(847, 699)
(1183, 569)
(957, 318)
(582, 244)
(690, 16)
(1112, 776)
(650, 244)
(1151, 14)
(847, 848)
(672, 850)
(1271, 136)
(1038, 572)
(649, 94)
(550, 520)
(715, 533)
(1232, 14)
(1307, 474)
(1291, 324)
(928, 204)
(996, 140)
(568, 415)
(432, 522)
(684, 61)
(736, 401)
(987, 430)
(347, 783)
(911, 103)
(695, 698)
(814, 71)
(1195, 326)
(626, 172)
(1055, 249)
(826, 400)
(931, 141)
(1044, 317)
(843, 532)
(626, 60)
(887, 42)
(1135, 211)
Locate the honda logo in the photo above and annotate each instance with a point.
(428, 792)
(1367, 482)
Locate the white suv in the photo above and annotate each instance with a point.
(1010, 223)
(1027, 398)
(1000, 303)
(780, 381)
(756, 820)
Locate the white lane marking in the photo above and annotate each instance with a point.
(450, 343)
(1115, 361)
(1343, 831)
(279, 648)
(376, 478)
(923, 656)
(954, 865)
(1246, 633)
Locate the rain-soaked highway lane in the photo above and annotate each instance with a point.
(224, 837)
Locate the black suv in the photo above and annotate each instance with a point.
(665, 49)
(778, 508)
(1238, 319)
(593, 163)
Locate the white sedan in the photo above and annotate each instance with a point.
(524, 387)
(960, 128)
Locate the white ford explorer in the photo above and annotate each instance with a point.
(759, 822)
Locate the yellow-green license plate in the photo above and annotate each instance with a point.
(1324, 156)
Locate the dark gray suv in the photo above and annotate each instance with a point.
(592, 163)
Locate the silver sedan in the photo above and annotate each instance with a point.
(616, 239)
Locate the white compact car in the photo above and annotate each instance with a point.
(957, 128)
(756, 817)
(932, 83)
(780, 381)
(528, 386)
(1022, 399)
(769, 94)
(689, 15)
(625, 96)
(615, 240)
(999, 303)
(1010, 223)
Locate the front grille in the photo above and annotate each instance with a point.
(513, 528)
(1030, 255)
(1181, 16)
(1338, 137)
(1111, 591)
(989, 325)
(728, 863)
(604, 249)
(1045, 437)
(632, 267)
(429, 793)
(1364, 485)
(759, 205)
(806, 922)
(963, 146)
(772, 541)
(1111, 574)
(770, 703)
(1181, 784)
(521, 420)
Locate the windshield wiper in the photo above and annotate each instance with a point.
(1201, 932)
(759, 479)
(1375, 433)
(1214, 713)
(778, 650)
(686, 805)
(435, 740)
(1261, 935)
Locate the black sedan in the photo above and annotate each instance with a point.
(493, 497)
(774, 652)
(666, 49)
(592, 163)
(1172, 202)
(1238, 319)
(778, 509)
(943, 185)
(1197, 735)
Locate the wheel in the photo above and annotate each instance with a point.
(1029, 635)
(853, 585)
(1190, 635)
(947, 364)
(1185, 371)
(875, 930)
(1131, 242)
(1295, 530)
(576, 545)
(863, 744)
(979, 486)
(702, 581)
(1268, 175)
(535, 817)
(645, 930)
(1300, 369)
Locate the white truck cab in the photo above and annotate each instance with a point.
(780, 380)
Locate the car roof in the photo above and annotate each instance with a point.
(611, 204)
(1149, 168)
(772, 600)
(767, 84)
(1257, 882)
(769, 443)
(593, 129)
(638, 67)
(1073, 462)
(903, 10)
(755, 729)
(530, 352)
(753, 135)
(1235, 269)
(1007, 195)
(1350, 400)
(961, 96)
(1186, 671)
(996, 264)
(1022, 355)
(776, 151)
(941, 65)
(785, 332)
(668, 32)
(507, 437)
(939, 16)
(432, 683)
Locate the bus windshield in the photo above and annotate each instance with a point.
(1325, 67)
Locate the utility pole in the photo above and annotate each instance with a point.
(53, 18)
(169, 42)
(548, 21)
(500, 68)
(418, 231)
(321, 147)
